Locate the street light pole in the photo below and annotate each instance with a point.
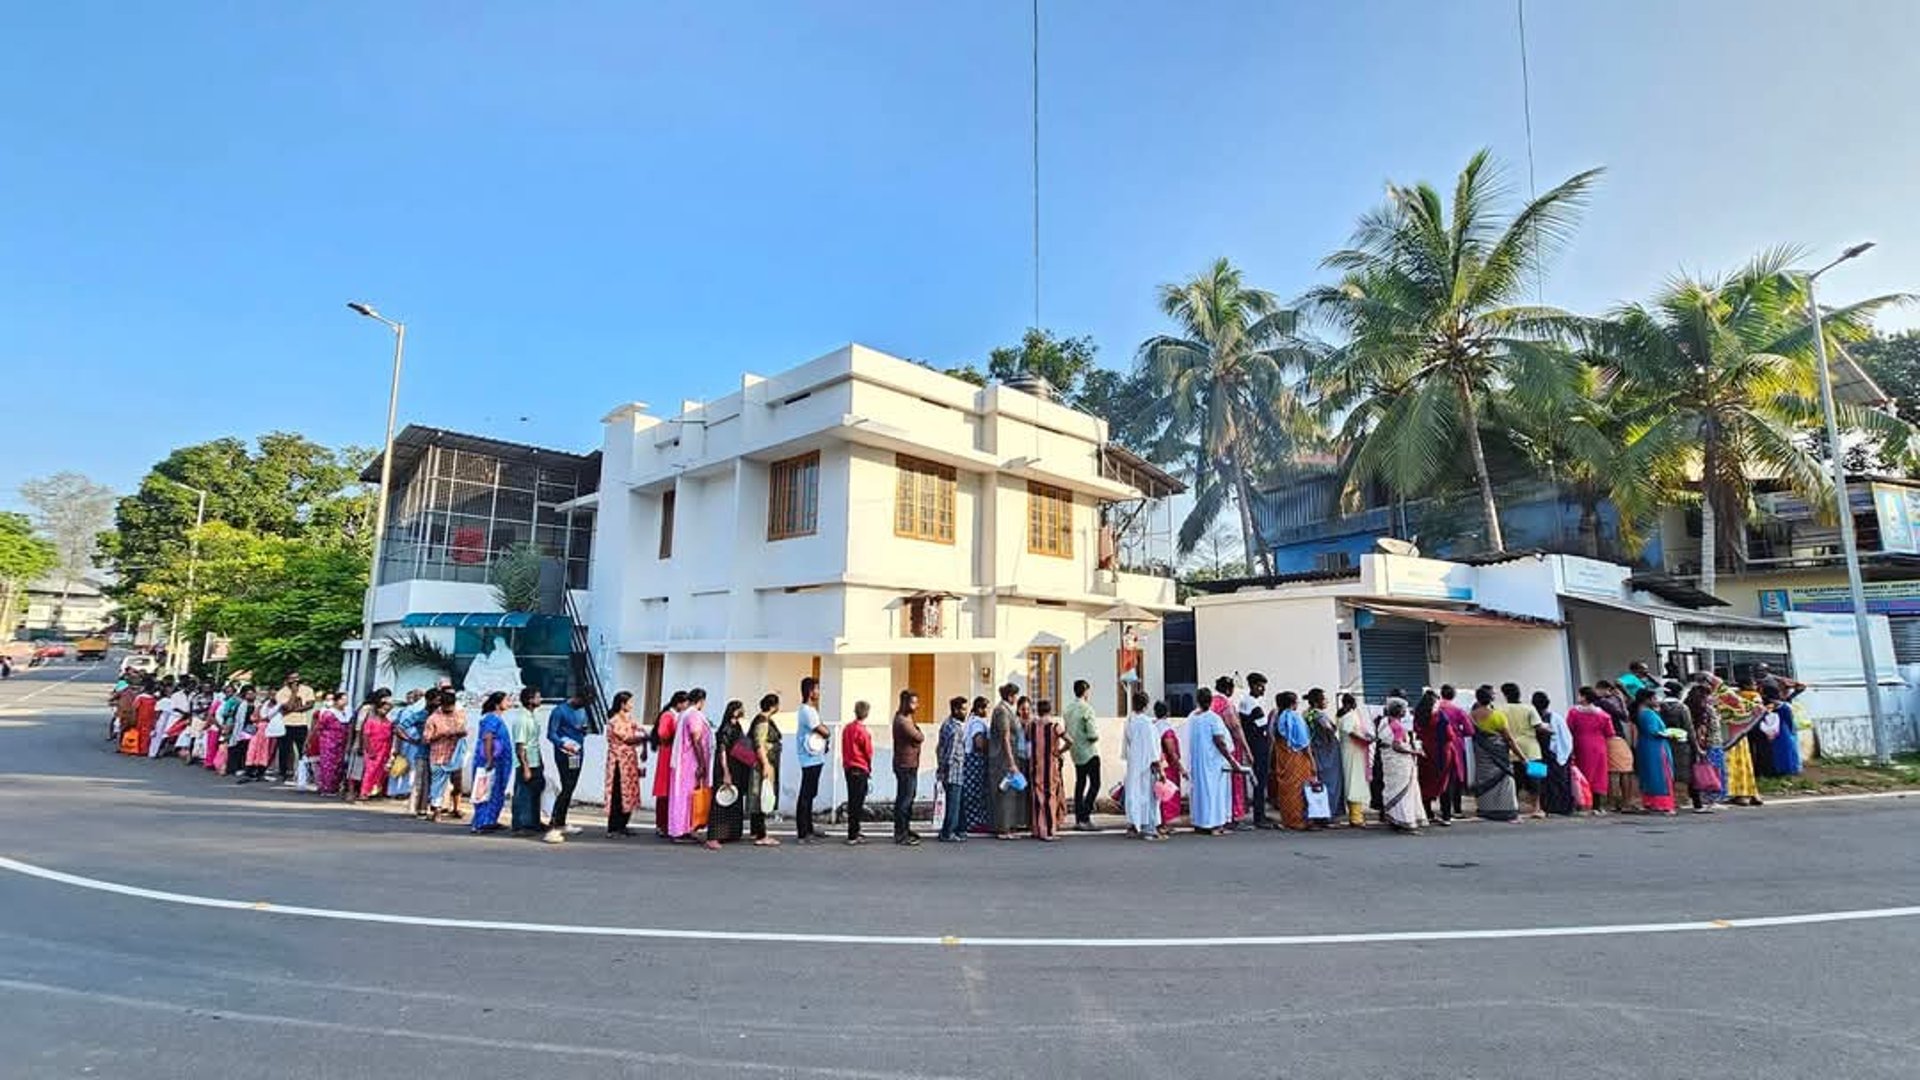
(365, 681)
(1849, 547)
(193, 568)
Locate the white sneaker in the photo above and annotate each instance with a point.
(574, 830)
(555, 836)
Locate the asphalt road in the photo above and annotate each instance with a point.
(98, 984)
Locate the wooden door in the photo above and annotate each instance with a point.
(920, 681)
(650, 693)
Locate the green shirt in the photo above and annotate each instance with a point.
(1082, 731)
(1522, 718)
(524, 728)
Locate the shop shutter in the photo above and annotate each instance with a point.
(1393, 654)
(1906, 638)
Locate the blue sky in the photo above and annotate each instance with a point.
(580, 204)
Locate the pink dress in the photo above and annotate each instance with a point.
(376, 738)
(692, 761)
(1238, 782)
(1590, 727)
(1170, 765)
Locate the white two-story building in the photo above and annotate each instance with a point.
(879, 525)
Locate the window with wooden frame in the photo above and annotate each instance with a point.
(666, 524)
(1049, 520)
(1043, 674)
(793, 497)
(923, 499)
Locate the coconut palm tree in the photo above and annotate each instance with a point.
(1725, 374)
(1224, 384)
(1429, 307)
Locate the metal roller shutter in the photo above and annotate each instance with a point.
(1393, 653)
(1906, 638)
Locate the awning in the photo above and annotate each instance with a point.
(1676, 615)
(1128, 612)
(1457, 617)
(510, 620)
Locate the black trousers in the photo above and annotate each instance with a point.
(856, 801)
(809, 791)
(617, 815)
(757, 823)
(526, 800)
(906, 784)
(1451, 797)
(569, 777)
(1086, 788)
(237, 759)
(1260, 749)
(293, 747)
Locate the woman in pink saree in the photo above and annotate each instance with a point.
(1169, 766)
(328, 744)
(376, 747)
(1222, 705)
(692, 768)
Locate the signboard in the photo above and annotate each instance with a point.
(1426, 579)
(1732, 638)
(216, 649)
(1592, 577)
(1826, 648)
(1883, 598)
(1898, 511)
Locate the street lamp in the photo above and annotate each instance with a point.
(365, 680)
(193, 567)
(1848, 546)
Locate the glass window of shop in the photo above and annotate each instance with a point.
(460, 510)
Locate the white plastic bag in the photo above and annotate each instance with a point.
(303, 774)
(1317, 805)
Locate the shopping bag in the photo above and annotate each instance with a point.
(303, 774)
(1705, 776)
(398, 766)
(769, 797)
(399, 787)
(701, 798)
(1582, 790)
(940, 802)
(482, 785)
(1317, 804)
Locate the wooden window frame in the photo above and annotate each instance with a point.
(924, 496)
(1049, 520)
(1050, 656)
(667, 501)
(793, 506)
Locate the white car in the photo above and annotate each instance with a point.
(139, 665)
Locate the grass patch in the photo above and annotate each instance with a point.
(1846, 776)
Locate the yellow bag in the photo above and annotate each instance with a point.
(397, 766)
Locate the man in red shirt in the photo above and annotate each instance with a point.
(856, 754)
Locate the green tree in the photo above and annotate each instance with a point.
(1893, 361)
(288, 486)
(1060, 361)
(1222, 386)
(287, 604)
(515, 577)
(1429, 309)
(24, 558)
(1724, 373)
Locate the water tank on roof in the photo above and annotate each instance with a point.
(1028, 382)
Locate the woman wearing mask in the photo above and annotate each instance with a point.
(492, 764)
(1399, 772)
(733, 762)
(376, 749)
(1292, 761)
(1652, 755)
(626, 742)
(764, 792)
(692, 771)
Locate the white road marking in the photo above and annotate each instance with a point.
(953, 940)
(31, 694)
(446, 1038)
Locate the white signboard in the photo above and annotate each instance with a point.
(1738, 638)
(1592, 577)
(1826, 648)
(1425, 579)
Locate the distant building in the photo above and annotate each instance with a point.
(56, 607)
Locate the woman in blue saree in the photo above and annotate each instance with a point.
(493, 757)
(1652, 755)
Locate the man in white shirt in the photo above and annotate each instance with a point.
(171, 706)
(1257, 725)
(808, 732)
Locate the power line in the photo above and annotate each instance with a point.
(1036, 163)
(1526, 109)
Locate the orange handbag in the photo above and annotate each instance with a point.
(702, 800)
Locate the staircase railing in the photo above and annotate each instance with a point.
(586, 675)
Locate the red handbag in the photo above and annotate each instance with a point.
(742, 751)
(1705, 776)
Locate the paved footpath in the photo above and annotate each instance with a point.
(162, 923)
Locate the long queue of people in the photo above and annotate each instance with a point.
(1247, 761)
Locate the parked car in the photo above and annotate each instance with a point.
(119, 637)
(139, 664)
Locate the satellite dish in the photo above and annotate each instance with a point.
(1396, 546)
